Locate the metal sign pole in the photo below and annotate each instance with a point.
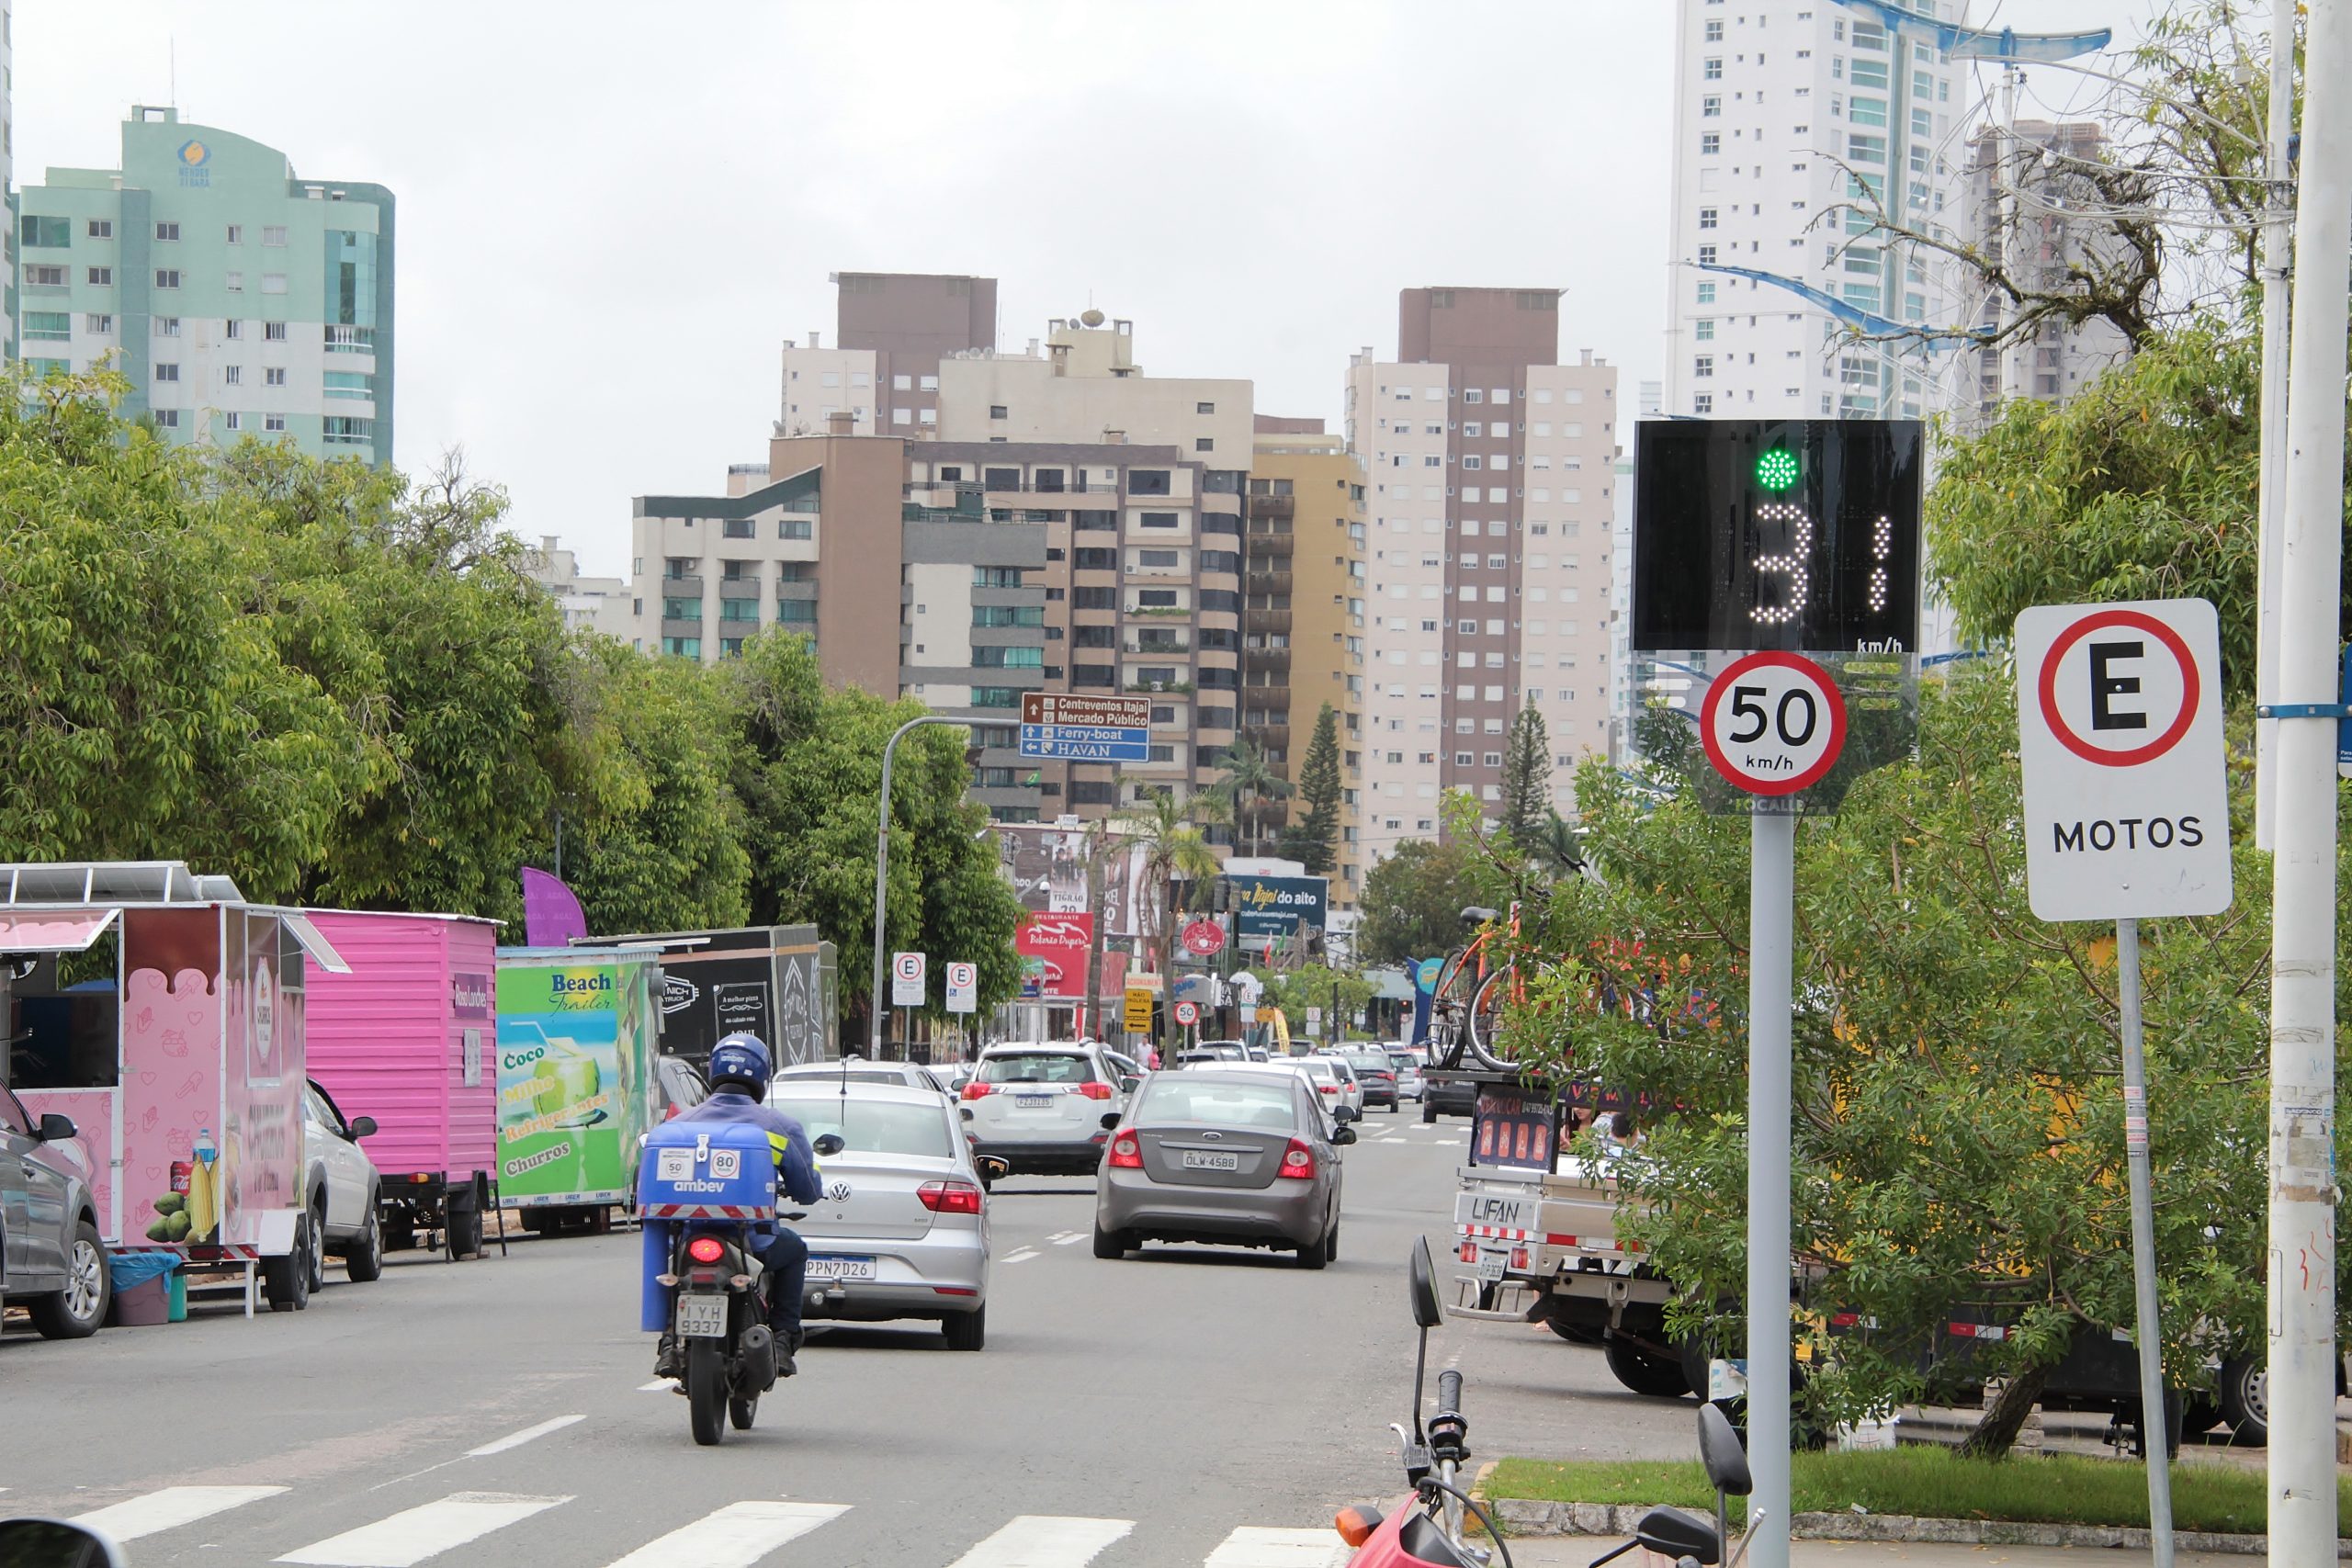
(2155, 1431)
(1772, 948)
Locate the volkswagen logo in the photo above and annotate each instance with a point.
(838, 1192)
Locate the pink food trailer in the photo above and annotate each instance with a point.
(409, 1037)
(164, 1014)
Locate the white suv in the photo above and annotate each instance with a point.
(1039, 1107)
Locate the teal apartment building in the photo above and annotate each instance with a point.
(238, 298)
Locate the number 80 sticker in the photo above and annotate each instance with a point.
(1773, 723)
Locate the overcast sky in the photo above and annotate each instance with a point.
(611, 214)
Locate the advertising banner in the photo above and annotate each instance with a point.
(1053, 948)
(1273, 905)
(777, 982)
(575, 1048)
(1047, 865)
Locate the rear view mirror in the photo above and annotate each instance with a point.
(1670, 1532)
(1421, 1277)
(1127, 1085)
(1345, 1113)
(54, 1544)
(1110, 1120)
(56, 1129)
(1342, 1137)
(1720, 1451)
(829, 1144)
(362, 1127)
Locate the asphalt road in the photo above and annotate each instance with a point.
(1192, 1406)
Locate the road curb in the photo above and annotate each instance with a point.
(1525, 1517)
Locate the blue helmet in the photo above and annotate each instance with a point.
(743, 1059)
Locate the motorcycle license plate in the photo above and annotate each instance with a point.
(843, 1268)
(1032, 1101)
(1490, 1266)
(702, 1317)
(1204, 1159)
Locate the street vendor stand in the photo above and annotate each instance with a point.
(180, 1059)
(577, 1036)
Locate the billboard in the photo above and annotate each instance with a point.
(1053, 952)
(575, 1070)
(777, 982)
(1047, 865)
(1273, 905)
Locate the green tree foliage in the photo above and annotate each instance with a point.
(1527, 775)
(1317, 986)
(1251, 786)
(1314, 839)
(1167, 832)
(1413, 901)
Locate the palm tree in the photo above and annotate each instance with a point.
(1168, 833)
(1249, 777)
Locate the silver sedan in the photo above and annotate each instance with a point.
(901, 1230)
(1235, 1155)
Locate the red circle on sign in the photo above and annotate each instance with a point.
(2138, 620)
(1187, 1013)
(1819, 678)
(1204, 937)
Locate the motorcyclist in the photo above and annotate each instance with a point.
(740, 1070)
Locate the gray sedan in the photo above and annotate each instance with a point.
(1230, 1156)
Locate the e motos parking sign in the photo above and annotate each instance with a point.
(2119, 736)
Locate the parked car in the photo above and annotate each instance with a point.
(856, 1069)
(953, 1076)
(901, 1230)
(1232, 1157)
(1124, 1066)
(1406, 1063)
(682, 1084)
(1374, 1074)
(1226, 1050)
(52, 1260)
(1039, 1107)
(339, 1197)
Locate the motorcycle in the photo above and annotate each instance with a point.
(1427, 1529)
(706, 1191)
(1694, 1544)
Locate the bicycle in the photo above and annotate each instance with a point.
(1465, 1005)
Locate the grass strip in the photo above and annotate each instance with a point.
(1930, 1482)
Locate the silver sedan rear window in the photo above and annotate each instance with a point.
(1215, 1103)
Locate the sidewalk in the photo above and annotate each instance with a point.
(1560, 1551)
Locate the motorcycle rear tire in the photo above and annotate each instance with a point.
(706, 1391)
(741, 1410)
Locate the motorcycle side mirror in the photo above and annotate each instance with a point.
(829, 1144)
(1110, 1120)
(1720, 1451)
(1423, 1285)
(1670, 1532)
(362, 1127)
(56, 1545)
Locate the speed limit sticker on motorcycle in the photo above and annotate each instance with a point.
(1773, 723)
(724, 1162)
(675, 1165)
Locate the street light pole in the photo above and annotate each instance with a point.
(882, 882)
(2278, 288)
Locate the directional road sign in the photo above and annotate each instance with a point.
(1772, 723)
(1138, 1016)
(963, 987)
(907, 979)
(1060, 727)
(2119, 735)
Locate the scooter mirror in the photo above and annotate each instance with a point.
(1426, 1312)
(1670, 1532)
(55, 1544)
(1720, 1451)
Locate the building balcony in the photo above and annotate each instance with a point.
(1273, 505)
(1266, 581)
(1268, 546)
(682, 587)
(690, 628)
(805, 589)
(1265, 620)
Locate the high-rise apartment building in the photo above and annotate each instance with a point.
(1487, 582)
(589, 602)
(238, 298)
(891, 329)
(1785, 109)
(1303, 618)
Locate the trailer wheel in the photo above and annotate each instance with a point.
(465, 1226)
(286, 1280)
(1642, 1372)
(365, 1260)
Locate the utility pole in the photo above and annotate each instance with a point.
(2302, 965)
(2014, 382)
(1095, 846)
(879, 1001)
(2278, 290)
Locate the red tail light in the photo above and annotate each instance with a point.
(950, 1197)
(976, 1090)
(1126, 1153)
(1095, 1091)
(1328, 1088)
(1299, 1161)
(705, 1249)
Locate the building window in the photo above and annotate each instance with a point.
(796, 610)
(233, 375)
(1715, 31)
(166, 419)
(1707, 216)
(167, 372)
(167, 230)
(1710, 143)
(273, 235)
(236, 233)
(1705, 329)
(1711, 106)
(1711, 69)
(167, 277)
(101, 229)
(235, 282)
(167, 326)
(682, 646)
(275, 423)
(346, 430)
(49, 326)
(1706, 294)
(998, 411)
(273, 332)
(44, 278)
(273, 283)
(101, 278)
(273, 375)
(97, 324)
(1204, 444)
(1702, 402)
(1204, 408)
(927, 384)
(1707, 256)
(236, 327)
(233, 420)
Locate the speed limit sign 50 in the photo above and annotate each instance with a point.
(1773, 723)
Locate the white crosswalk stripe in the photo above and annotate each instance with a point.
(169, 1508)
(737, 1536)
(1253, 1546)
(1045, 1541)
(415, 1534)
(1021, 1255)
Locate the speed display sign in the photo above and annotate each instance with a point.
(1773, 723)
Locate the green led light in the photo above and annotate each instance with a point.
(1776, 469)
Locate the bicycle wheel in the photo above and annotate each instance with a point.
(1482, 1026)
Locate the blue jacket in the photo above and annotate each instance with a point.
(795, 1162)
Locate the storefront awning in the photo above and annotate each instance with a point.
(54, 930)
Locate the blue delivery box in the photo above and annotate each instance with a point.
(706, 1170)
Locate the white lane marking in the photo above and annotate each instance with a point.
(1061, 1237)
(1071, 1240)
(658, 1385)
(516, 1440)
(169, 1508)
(398, 1540)
(1045, 1541)
(1253, 1546)
(736, 1536)
(1449, 1143)
(1022, 1256)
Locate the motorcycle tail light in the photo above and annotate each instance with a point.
(1299, 1161)
(1126, 1152)
(950, 1197)
(1356, 1525)
(705, 1249)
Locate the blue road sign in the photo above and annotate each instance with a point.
(2344, 725)
(1085, 743)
